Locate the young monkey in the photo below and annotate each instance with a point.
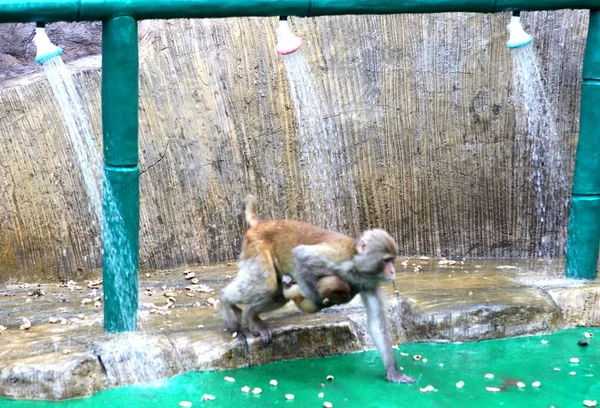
(332, 290)
(284, 260)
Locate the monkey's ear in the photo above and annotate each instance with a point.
(361, 247)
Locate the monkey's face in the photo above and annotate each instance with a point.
(389, 272)
(377, 265)
(376, 253)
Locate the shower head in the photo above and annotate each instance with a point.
(287, 42)
(517, 36)
(45, 49)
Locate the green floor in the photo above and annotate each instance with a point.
(358, 379)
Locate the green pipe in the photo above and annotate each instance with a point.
(20, 11)
(121, 198)
(120, 91)
(583, 243)
(584, 223)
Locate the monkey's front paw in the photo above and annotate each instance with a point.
(397, 377)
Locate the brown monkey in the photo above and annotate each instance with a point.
(329, 268)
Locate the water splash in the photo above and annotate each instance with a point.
(320, 144)
(537, 135)
(132, 358)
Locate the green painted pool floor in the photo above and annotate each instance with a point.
(359, 381)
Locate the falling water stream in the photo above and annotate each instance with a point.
(547, 153)
(320, 143)
(79, 132)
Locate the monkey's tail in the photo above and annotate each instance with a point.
(250, 211)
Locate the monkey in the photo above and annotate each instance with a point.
(332, 290)
(328, 267)
(291, 291)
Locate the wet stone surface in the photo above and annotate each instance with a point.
(65, 352)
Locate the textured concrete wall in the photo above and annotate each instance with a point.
(428, 131)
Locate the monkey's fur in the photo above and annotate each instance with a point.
(331, 290)
(329, 268)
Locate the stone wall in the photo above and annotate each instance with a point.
(428, 136)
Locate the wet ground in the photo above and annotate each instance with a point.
(64, 353)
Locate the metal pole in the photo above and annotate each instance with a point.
(121, 198)
(584, 224)
(46, 11)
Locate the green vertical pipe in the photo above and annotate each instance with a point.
(582, 244)
(121, 199)
(584, 223)
(120, 91)
(121, 243)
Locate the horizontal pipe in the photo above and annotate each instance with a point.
(46, 11)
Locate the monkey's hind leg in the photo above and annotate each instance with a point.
(263, 294)
(256, 325)
(257, 286)
(231, 313)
